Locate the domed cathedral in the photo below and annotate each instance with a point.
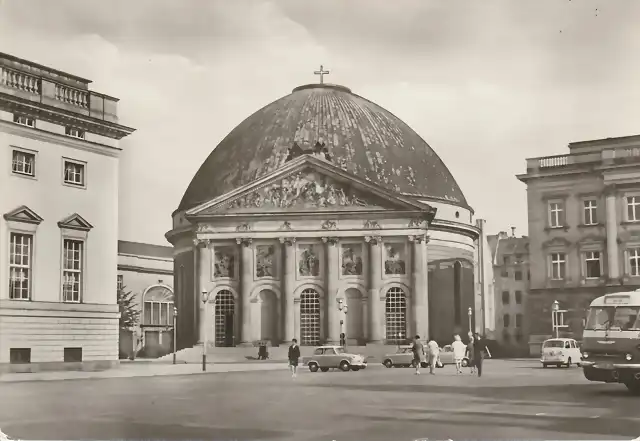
(319, 215)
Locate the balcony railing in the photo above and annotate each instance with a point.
(553, 161)
(605, 157)
(72, 96)
(19, 80)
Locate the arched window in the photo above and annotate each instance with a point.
(309, 318)
(158, 307)
(396, 315)
(225, 314)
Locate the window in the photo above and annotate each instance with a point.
(72, 270)
(72, 355)
(505, 273)
(592, 265)
(76, 133)
(158, 313)
(505, 297)
(558, 263)
(505, 259)
(23, 163)
(590, 212)
(518, 320)
(556, 214)
(19, 355)
(518, 275)
(519, 297)
(24, 120)
(506, 320)
(20, 261)
(633, 208)
(634, 261)
(120, 282)
(74, 173)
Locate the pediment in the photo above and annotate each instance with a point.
(75, 222)
(23, 214)
(307, 184)
(555, 242)
(592, 238)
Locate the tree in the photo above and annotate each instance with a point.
(129, 312)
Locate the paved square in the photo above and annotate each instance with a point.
(513, 400)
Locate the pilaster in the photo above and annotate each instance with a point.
(420, 295)
(374, 286)
(611, 225)
(288, 287)
(204, 253)
(246, 281)
(331, 273)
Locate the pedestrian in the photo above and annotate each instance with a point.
(459, 350)
(418, 353)
(434, 353)
(480, 349)
(294, 356)
(470, 354)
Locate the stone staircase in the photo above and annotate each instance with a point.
(373, 352)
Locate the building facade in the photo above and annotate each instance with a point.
(58, 236)
(584, 229)
(511, 278)
(146, 271)
(322, 214)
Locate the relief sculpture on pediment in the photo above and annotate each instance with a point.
(301, 190)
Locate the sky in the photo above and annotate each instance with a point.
(486, 83)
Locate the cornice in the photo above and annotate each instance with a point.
(455, 227)
(56, 138)
(140, 269)
(61, 116)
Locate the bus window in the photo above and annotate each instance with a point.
(626, 318)
(598, 318)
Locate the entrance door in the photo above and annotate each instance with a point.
(228, 329)
(225, 318)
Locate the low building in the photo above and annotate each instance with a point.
(59, 156)
(584, 230)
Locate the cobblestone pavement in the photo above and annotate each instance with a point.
(513, 400)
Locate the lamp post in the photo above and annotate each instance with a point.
(175, 319)
(205, 300)
(343, 308)
(554, 317)
(470, 314)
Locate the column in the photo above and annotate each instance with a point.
(288, 286)
(246, 282)
(374, 285)
(204, 253)
(419, 274)
(612, 235)
(331, 274)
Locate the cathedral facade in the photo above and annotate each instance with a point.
(322, 214)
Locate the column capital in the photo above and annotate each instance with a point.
(330, 240)
(204, 243)
(419, 238)
(244, 241)
(288, 241)
(373, 240)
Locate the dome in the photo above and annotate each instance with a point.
(361, 137)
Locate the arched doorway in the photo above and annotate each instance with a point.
(225, 318)
(309, 317)
(354, 316)
(396, 315)
(268, 316)
(157, 321)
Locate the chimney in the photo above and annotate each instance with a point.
(513, 231)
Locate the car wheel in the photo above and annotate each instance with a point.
(465, 362)
(344, 366)
(355, 368)
(569, 362)
(558, 365)
(324, 369)
(388, 363)
(313, 367)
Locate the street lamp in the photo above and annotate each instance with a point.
(470, 313)
(175, 319)
(554, 317)
(205, 300)
(343, 308)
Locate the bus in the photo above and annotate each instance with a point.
(611, 340)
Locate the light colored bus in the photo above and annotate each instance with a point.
(611, 340)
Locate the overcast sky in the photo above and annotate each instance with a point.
(486, 83)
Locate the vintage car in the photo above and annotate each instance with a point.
(334, 357)
(403, 357)
(560, 352)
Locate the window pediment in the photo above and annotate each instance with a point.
(23, 214)
(592, 239)
(556, 242)
(75, 222)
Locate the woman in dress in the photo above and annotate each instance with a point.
(459, 350)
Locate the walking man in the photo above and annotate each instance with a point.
(434, 352)
(294, 356)
(481, 350)
(418, 353)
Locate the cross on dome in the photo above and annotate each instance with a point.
(321, 72)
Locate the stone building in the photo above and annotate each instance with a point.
(584, 229)
(58, 235)
(319, 201)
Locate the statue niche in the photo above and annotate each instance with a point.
(302, 190)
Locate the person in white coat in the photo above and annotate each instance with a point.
(459, 350)
(434, 352)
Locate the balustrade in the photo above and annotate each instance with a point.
(554, 161)
(19, 80)
(72, 96)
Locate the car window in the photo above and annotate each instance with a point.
(339, 350)
(318, 351)
(552, 344)
(329, 351)
(448, 349)
(567, 345)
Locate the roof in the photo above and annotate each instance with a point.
(360, 136)
(144, 249)
(502, 245)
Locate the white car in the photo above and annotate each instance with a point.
(560, 352)
(334, 357)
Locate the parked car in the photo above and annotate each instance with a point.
(403, 357)
(446, 357)
(334, 357)
(560, 352)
